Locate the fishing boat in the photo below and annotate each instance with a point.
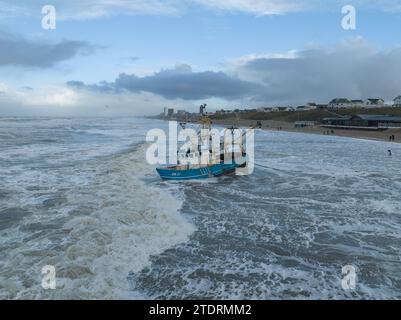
(189, 172)
(217, 164)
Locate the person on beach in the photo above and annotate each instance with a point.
(390, 153)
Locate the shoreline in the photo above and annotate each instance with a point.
(274, 125)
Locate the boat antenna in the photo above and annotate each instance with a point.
(237, 119)
(202, 109)
(205, 121)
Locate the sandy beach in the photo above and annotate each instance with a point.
(317, 129)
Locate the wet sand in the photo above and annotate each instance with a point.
(317, 129)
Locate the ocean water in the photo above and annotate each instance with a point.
(79, 195)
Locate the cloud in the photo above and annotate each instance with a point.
(258, 7)
(179, 83)
(94, 9)
(351, 69)
(18, 51)
(67, 101)
(50, 96)
(9, 9)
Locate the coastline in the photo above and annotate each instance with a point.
(274, 125)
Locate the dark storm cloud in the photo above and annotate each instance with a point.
(352, 69)
(179, 82)
(17, 51)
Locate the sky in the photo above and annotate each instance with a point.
(135, 57)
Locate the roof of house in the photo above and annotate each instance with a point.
(373, 117)
(339, 118)
(375, 101)
(397, 98)
(357, 101)
(340, 100)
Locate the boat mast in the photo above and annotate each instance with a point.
(204, 135)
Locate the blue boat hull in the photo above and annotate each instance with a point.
(198, 173)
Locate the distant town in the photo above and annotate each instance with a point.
(340, 113)
(335, 104)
